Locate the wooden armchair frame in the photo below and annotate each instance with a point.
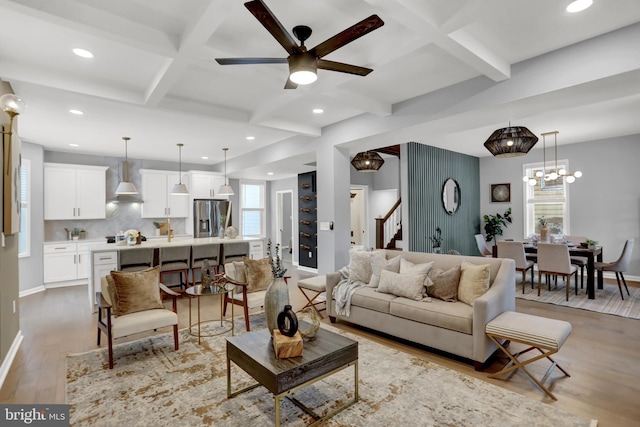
(105, 324)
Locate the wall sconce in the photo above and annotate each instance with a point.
(13, 105)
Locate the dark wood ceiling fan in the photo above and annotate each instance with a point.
(300, 59)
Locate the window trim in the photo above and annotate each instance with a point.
(262, 209)
(526, 201)
(26, 163)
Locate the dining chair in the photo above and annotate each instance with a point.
(482, 246)
(619, 266)
(578, 261)
(200, 253)
(553, 260)
(515, 251)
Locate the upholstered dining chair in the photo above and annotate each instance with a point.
(130, 303)
(578, 261)
(553, 260)
(248, 294)
(482, 246)
(515, 251)
(619, 266)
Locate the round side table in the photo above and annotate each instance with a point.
(219, 287)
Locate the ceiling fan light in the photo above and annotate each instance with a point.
(303, 68)
(303, 77)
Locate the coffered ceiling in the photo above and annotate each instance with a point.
(153, 76)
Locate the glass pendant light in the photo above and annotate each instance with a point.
(225, 189)
(126, 187)
(180, 189)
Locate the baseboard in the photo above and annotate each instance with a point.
(32, 291)
(65, 284)
(607, 275)
(11, 354)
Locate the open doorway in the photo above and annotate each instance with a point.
(359, 223)
(284, 220)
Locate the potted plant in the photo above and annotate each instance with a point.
(591, 244)
(493, 224)
(436, 241)
(157, 225)
(544, 230)
(75, 233)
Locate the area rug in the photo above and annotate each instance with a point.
(153, 385)
(607, 300)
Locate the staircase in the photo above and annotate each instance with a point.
(389, 228)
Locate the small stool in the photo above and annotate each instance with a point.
(316, 287)
(545, 335)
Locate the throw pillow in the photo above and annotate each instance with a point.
(259, 274)
(241, 271)
(474, 281)
(136, 291)
(378, 264)
(109, 294)
(360, 265)
(401, 285)
(444, 284)
(407, 267)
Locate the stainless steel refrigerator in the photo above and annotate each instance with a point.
(211, 217)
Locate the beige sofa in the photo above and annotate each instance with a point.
(453, 327)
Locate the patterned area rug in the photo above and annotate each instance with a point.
(153, 385)
(607, 300)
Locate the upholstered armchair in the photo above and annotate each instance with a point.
(130, 303)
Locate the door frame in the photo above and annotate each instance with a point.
(280, 218)
(365, 204)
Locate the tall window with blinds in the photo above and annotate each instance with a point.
(252, 208)
(24, 247)
(548, 198)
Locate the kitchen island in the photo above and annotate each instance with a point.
(104, 256)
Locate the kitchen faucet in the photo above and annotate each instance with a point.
(169, 230)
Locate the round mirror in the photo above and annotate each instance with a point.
(451, 196)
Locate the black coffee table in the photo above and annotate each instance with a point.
(323, 356)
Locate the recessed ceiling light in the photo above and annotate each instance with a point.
(83, 53)
(74, 145)
(269, 173)
(579, 5)
(204, 158)
(76, 112)
(318, 111)
(251, 138)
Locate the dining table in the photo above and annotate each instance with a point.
(591, 254)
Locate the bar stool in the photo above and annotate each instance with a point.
(135, 259)
(174, 260)
(199, 253)
(234, 252)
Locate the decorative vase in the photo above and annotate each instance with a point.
(544, 234)
(275, 299)
(157, 232)
(287, 322)
(437, 250)
(231, 232)
(308, 322)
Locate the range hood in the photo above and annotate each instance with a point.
(125, 198)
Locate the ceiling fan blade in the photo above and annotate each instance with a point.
(347, 36)
(240, 61)
(271, 23)
(343, 68)
(290, 85)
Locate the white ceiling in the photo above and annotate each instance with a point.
(154, 78)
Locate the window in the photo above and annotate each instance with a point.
(548, 198)
(24, 237)
(252, 209)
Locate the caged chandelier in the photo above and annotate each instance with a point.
(555, 173)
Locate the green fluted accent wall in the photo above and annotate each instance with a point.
(429, 167)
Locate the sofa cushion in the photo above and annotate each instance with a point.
(444, 284)
(378, 264)
(402, 285)
(474, 281)
(360, 265)
(368, 298)
(454, 316)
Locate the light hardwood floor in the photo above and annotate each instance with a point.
(601, 354)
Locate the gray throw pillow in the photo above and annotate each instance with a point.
(360, 265)
(444, 284)
(378, 264)
(401, 285)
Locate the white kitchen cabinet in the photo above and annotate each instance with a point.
(256, 249)
(64, 262)
(205, 185)
(74, 191)
(103, 263)
(158, 200)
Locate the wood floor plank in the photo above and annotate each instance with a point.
(601, 354)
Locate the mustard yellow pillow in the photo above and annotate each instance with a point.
(474, 281)
(259, 274)
(136, 291)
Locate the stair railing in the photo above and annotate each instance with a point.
(388, 226)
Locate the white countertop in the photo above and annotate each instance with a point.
(175, 241)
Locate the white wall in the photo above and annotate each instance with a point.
(604, 204)
(31, 267)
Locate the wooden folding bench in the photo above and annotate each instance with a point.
(540, 333)
(315, 288)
